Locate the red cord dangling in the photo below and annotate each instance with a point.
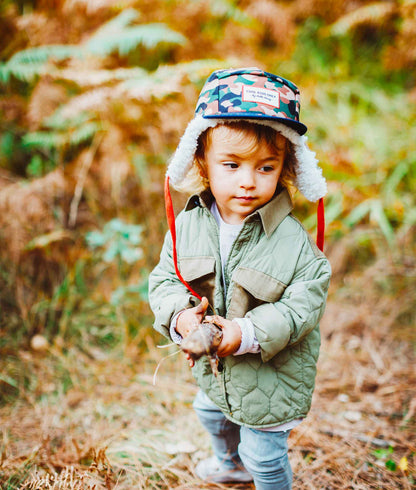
(170, 215)
(320, 233)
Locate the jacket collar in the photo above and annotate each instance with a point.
(271, 214)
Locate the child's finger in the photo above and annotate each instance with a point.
(190, 360)
(202, 307)
(219, 320)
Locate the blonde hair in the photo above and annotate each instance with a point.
(254, 135)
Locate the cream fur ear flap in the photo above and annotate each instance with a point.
(183, 158)
(309, 178)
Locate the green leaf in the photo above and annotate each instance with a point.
(379, 216)
(117, 24)
(131, 255)
(115, 225)
(391, 183)
(358, 213)
(149, 36)
(45, 139)
(123, 39)
(35, 167)
(30, 63)
(84, 133)
(383, 452)
(23, 72)
(8, 380)
(410, 217)
(95, 239)
(59, 139)
(129, 232)
(119, 240)
(227, 9)
(7, 144)
(119, 295)
(4, 73)
(111, 253)
(58, 122)
(391, 465)
(41, 54)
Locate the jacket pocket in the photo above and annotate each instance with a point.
(199, 272)
(252, 288)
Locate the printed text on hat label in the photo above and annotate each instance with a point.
(260, 95)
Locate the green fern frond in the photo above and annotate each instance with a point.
(28, 64)
(4, 72)
(129, 38)
(23, 72)
(46, 140)
(114, 36)
(58, 122)
(84, 133)
(49, 140)
(227, 9)
(117, 24)
(41, 54)
(149, 36)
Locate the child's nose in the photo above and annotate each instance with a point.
(246, 178)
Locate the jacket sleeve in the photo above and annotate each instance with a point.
(167, 295)
(298, 311)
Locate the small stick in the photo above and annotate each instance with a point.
(160, 362)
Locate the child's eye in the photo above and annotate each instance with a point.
(230, 164)
(267, 168)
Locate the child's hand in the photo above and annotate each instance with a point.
(231, 335)
(189, 319)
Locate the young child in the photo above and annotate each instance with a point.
(237, 253)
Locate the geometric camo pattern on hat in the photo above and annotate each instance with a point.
(250, 93)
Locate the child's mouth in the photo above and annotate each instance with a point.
(245, 198)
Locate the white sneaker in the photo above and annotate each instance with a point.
(211, 470)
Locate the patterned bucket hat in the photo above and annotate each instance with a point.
(251, 93)
(262, 98)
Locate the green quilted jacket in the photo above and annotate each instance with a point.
(277, 277)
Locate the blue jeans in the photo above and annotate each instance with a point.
(264, 454)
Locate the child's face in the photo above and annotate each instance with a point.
(242, 174)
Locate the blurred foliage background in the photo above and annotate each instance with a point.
(94, 96)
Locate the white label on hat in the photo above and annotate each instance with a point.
(261, 95)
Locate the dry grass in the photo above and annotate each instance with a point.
(115, 430)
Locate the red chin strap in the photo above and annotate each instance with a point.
(170, 215)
